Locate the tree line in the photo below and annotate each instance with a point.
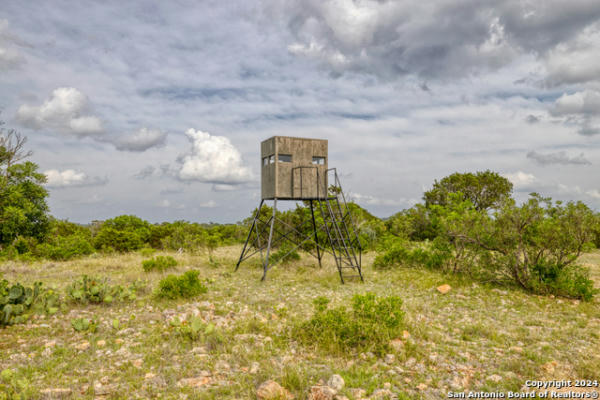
(468, 223)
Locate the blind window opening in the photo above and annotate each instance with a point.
(318, 160)
(265, 161)
(285, 157)
(271, 159)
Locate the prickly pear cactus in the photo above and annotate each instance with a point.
(97, 290)
(16, 301)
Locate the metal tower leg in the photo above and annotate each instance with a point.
(266, 264)
(312, 213)
(249, 234)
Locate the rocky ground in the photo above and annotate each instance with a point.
(473, 337)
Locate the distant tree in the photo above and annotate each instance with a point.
(416, 223)
(123, 233)
(485, 190)
(23, 208)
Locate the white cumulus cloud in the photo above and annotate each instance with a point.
(66, 111)
(70, 178)
(141, 140)
(213, 159)
(520, 179)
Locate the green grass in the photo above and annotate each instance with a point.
(456, 340)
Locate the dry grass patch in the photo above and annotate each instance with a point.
(453, 342)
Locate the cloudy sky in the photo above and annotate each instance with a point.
(158, 109)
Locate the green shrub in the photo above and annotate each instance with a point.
(60, 227)
(147, 252)
(182, 286)
(97, 290)
(284, 255)
(24, 245)
(123, 233)
(536, 244)
(416, 223)
(596, 231)
(435, 255)
(110, 239)
(13, 386)
(65, 247)
(397, 254)
(571, 281)
(159, 263)
(9, 253)
(179, 235)
(369, 326)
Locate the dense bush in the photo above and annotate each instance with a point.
(66, 240)
(65, 247)
(194, 237)
(122, 233)
(596, 231)
(179, 235)
(397, 254)
(97, 290)
(159, 263)
(59, 227)
(182, 286)
(417, 223)
(535, 245)
(369, 326)
(568, 281)
(285, 254)
(436, 255)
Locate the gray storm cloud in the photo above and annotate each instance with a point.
(441, 39)
(436, 86)
(581, 108)
(141, 140)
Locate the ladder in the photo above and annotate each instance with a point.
(343, 239)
